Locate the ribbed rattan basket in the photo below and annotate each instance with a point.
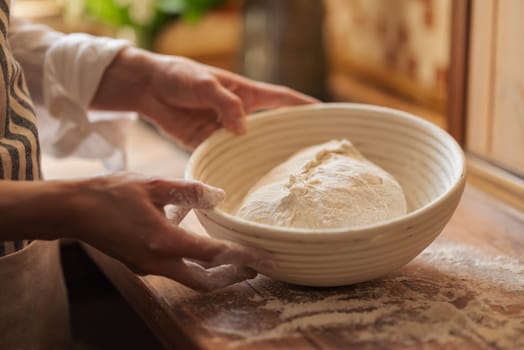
(426, 161)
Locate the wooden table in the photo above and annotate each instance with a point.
(465, 291)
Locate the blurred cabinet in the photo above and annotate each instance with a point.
(393, 53)
(495, 117)
(215, 39)
(457, 63)
(282, 43)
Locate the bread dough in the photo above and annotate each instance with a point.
(331, 185)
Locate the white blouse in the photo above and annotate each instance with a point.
(63, 72)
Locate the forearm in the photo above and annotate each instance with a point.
(36, 209)
(124, 82)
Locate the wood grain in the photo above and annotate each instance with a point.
(508, 110)
(473, 275)
(466, 273)
(480, 76)
(495, 122)
(497, 182)
(456, 93)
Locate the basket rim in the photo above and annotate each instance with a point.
(254, 229)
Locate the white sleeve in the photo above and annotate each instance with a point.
(63, 73)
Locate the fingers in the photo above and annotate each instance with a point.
(216, 252)
(259, 95)
(228, 106)
(175, 214)
(208, 264)
(186, 194)
(189, 126)
(200, 133)
(173, 253)
(211, 252)
(196, 277)
(267, 96)
(235, 96)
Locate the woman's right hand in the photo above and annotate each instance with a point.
(123, 216)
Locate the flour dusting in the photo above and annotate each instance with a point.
(503, 271)
(451, 295)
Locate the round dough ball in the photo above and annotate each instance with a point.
(324, 186)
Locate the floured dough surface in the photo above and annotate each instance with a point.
(331, 185)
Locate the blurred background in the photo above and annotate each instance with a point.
(456, 63)
(394, 53)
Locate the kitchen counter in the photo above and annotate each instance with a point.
(465, 291)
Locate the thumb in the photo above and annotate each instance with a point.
(186, 194)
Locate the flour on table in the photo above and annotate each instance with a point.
(453, 295)
(331, 185)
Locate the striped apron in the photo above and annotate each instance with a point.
(33, 303)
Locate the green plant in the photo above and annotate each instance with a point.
(191, 10)
(147, 17)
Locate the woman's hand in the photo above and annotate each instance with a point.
(123, 216)
(186, 99)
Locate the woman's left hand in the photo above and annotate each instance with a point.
(186, 99)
